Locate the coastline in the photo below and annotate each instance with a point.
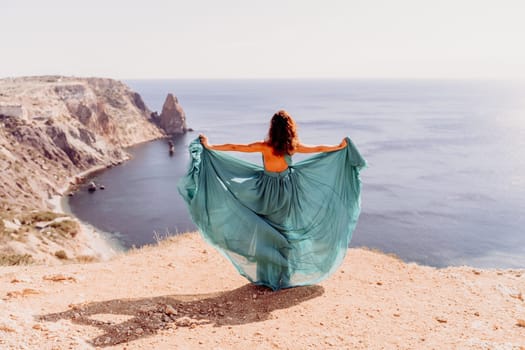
(95, 240)
(56, 126)
(101, 243)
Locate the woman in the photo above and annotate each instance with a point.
(282, 225)
(282, 142)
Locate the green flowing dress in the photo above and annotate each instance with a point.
(279, 229)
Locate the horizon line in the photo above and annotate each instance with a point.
(515, 79)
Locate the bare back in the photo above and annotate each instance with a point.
(271, 161)
(277, 163)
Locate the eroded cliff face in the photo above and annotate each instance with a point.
(52, 128)
(67, 125)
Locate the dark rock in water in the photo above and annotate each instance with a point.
(172, 119)
(102, 187)
(189, 129)
(92, 187)
(171, 147)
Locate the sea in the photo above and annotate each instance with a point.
(444, 186)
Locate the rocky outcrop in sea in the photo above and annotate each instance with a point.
(172, 119)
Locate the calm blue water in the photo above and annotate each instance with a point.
(446, 177)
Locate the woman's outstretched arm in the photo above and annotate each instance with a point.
(322, 148)
(252, 147)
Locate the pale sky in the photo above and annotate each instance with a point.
(127, 39)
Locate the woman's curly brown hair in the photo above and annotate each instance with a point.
(282, 136)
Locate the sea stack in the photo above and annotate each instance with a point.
(172, 119)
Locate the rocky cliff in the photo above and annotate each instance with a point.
(172, 119)
(52, 128)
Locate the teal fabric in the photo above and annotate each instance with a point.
(283, 229)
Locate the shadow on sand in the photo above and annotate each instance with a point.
(146, 316)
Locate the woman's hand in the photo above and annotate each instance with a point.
(204, 140)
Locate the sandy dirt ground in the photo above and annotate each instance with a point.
(182, 294)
